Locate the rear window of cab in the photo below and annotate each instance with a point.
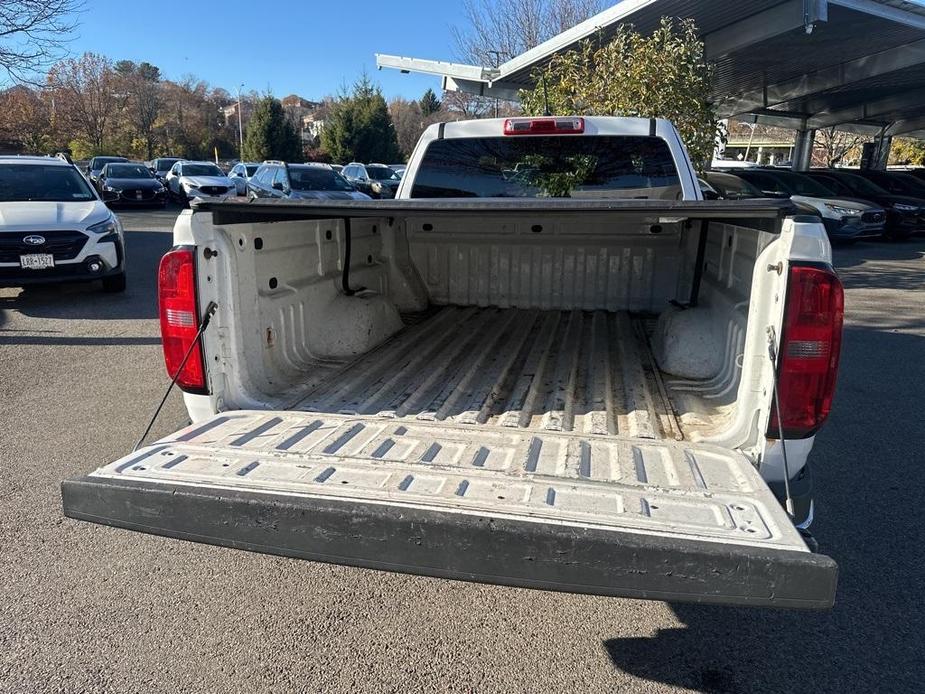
(548, 166)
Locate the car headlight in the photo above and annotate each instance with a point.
(107, 226)
(849, 211)
(902, 207)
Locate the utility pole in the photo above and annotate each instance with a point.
(240, 127)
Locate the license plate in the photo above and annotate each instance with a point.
(37, 261)
(138, 194)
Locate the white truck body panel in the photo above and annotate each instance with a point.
(497, 401)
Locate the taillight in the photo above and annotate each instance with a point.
(809, 350)
(544, 126)
(179, 313)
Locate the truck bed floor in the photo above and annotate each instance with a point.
(583, 371)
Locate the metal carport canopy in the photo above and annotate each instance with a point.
(803, 64)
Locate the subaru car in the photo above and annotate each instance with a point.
(55, 228)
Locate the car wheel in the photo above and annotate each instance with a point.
(114, 284)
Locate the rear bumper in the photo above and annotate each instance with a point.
(465, 546)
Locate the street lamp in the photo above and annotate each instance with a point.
(240, 126)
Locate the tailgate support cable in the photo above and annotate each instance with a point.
(210, 311)
(772, 352)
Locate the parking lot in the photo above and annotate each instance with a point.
(87, 608)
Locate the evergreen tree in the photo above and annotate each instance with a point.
(359, 127)
(430, 104)
(270, 135)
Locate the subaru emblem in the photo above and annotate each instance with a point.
(34, 240)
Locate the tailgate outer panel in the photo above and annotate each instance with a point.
(555, 510)
(461, 546)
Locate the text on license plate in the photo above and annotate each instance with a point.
(37, 261)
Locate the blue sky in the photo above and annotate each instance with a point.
(309, 47)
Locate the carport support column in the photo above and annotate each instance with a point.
(803, 149)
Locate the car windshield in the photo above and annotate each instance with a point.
(201, 170)
(251, 170)
(381, 173)
(25, 182)
(860, 185)
(802, 185)
(127, 171)
(100, 162)
(732, 187)
(166, 164)
(317, 179)
(911, 183)
(548, 166)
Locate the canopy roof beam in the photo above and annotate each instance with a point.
(893, 59)
(793, 14)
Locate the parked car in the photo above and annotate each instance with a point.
(895, 182)
(916, 171)
(904, 214)
(96, 165)
(474, 389)
(301, 181)
(845, 220)
(399, 169)
(198, 179)
(161, 166)
(241, 173)
(376, 180)
(131, 184)
(55, 228)
(339, 168)
(728, 186)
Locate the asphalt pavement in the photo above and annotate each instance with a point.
(87, 608)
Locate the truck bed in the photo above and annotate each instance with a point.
(575, 371)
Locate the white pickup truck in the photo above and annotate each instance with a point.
(547, 363)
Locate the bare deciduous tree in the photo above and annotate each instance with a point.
(496, 31)
(85, 96)
(33, 34)
(832, 146)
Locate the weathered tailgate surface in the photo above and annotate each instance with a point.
(630, 517)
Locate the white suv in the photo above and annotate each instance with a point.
(54, 227)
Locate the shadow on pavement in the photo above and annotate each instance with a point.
(856, 257)
(88, 301)
(869, 475)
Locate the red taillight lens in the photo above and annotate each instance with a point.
(179, 313)
(809, 350)
(544, 126)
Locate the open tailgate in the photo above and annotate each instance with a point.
(588, 514)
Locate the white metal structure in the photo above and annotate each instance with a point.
(802, 64)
